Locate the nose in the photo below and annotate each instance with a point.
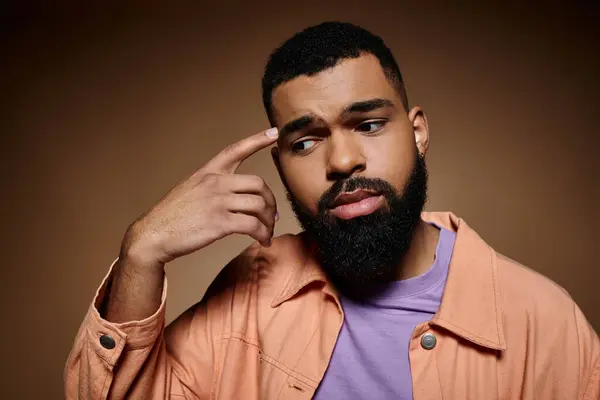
(344, 156)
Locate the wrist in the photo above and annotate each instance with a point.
(138, 251)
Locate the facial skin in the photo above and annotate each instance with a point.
(347, 125)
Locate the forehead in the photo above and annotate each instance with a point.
(327, 93)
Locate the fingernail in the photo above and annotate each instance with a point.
(276, 216)
(272, 133)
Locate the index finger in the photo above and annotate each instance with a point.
(230, 158)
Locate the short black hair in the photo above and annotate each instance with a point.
(323, 46)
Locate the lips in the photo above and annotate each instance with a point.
(357, 203)
(353, 197)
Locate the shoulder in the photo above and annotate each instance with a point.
(535, 304)
(261, 268)
(524, 289)
(248, 282)
(537, 311)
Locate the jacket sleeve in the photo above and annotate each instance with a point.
(592, 390)
(135, 359)
(589, 350)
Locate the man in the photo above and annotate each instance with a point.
(374, 300)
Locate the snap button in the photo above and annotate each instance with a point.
(107, 342)
(294, 386)
(428, 341)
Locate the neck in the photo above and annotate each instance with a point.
(421, 254)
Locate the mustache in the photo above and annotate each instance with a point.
(352, 184)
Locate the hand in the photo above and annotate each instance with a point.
(212, 203)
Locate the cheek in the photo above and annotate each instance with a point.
(391, 157)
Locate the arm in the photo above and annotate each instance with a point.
(136, 290)
(107, 357)
(140, 365)
(120, 350)
(589, 350)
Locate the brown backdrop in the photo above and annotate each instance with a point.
(107, 109)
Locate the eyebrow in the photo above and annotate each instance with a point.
(296, 125)
(367, 105)
(305, 121)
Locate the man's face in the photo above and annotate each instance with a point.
(345, 132)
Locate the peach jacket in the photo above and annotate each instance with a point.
(267, 326)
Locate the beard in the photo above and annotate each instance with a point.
(358, 253)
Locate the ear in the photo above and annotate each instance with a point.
(417, 117)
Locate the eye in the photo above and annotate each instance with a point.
(302, 145)
(370, 126)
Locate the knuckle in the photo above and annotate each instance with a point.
(225, 225)
(219, 203)
(222, 228)
(267, 216)
(244, 223)
(260, 182)
(216, 208)
(210, 179)
(257, 225)
(256, 182)
(261, 203)
(265, 235)
(269, 195)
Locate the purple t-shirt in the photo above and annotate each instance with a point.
(370, 358)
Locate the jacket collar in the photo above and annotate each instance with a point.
(471, 306)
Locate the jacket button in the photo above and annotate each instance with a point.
(107, 342)
(428, 341)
